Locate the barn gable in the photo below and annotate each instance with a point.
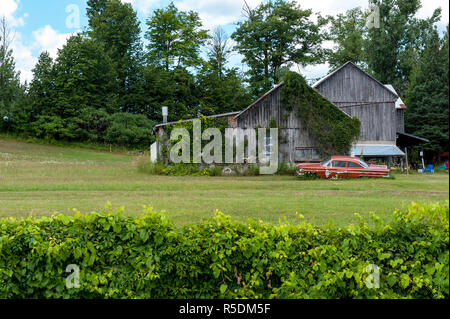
(359, 94)
(350, 83)
(297, 144)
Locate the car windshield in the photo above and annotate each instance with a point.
(326, 163)
(364, 164)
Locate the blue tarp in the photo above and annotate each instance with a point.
(377, 150)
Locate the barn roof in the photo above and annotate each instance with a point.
(399, 103)
(258, 100)
(377, 150)
(189, 120)
(275, 87)
(327, 77)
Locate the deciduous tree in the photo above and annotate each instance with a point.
(175, 38)
(276, 34)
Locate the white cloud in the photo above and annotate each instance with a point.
(44, 39)
(8, 9)
(25, 61)
(428, 8)
(313, 72)
(50, 40)
(216, 12)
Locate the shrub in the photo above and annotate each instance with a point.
(147, 257)
(287, 169)
(131, 130)
(308, 176)
(145, 166)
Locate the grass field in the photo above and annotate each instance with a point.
(43, 179)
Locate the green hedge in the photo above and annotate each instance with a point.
(147, 257)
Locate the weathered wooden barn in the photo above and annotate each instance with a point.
(377, 106)
(355, 93)
(295, 144)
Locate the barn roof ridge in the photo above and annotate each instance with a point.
(272, 90)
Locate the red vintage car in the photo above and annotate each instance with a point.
(343, 167)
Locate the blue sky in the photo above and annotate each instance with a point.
(46, 24)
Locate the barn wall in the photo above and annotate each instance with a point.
(400, 117)
(378, 121)
(357, 94)
(293, 138)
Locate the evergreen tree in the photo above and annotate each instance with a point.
(42, 87)
(428, 96)
(393, 49)
(11, 90)
(84, 77)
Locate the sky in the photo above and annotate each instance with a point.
(45, 25)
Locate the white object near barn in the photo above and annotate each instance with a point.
(154, 152)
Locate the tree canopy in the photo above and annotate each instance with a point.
(275, 34)
(105, 85)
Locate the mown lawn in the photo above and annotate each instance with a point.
(43, 179)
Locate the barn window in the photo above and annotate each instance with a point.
(306, 154)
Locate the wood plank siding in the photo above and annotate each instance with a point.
(358, 94)
(400, 117)
(295, 144)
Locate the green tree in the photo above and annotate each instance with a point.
(174, 38)
(176, 89)
(95, 8)
(11, 90)
(347, 32)
(219, 50)
(393, 49)
(10, 87)
(84, 77)
(428, 96)
(276, 34)
(222, 89)
(42, 87)
(115, 25)
(221, 93)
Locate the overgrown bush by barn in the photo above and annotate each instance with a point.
(147, 257)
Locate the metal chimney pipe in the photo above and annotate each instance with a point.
(165, 113)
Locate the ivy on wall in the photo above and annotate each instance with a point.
(332, 129)
(206, 122)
